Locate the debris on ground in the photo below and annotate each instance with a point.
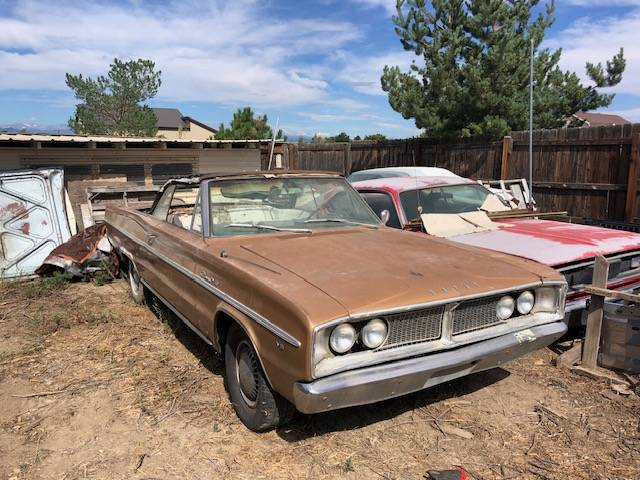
(85, 254)
(94, 386)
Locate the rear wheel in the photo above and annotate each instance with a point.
(256, 404)
(137, 289)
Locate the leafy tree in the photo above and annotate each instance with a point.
(317, 138)
(111, 104)
(341, 137)
(473, 71)
(376, 137)
(356, 138)
(247, 126)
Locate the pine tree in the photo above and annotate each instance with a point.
(472, 74)
(245, 125)
(111, 104)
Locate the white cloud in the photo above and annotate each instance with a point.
(326, 117)
(363, 73)
(228, 52)
(388, 5)
(597, 40)
(631, 114)
(602, 3)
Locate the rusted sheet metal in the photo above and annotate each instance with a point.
(553, 243)
(84, 254)
(32, 219)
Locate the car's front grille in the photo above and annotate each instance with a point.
(413, 327)
(475, 315)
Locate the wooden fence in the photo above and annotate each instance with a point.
(589, 172)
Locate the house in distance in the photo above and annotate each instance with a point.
(173, 125)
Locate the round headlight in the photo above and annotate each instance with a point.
(525, 302)
(342, 338)
(374, 333)
(505, 307)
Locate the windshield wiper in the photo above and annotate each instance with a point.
(268, 227)
(339, 220)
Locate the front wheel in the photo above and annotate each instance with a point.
(137, 289)
(255, 403)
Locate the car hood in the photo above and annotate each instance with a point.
(551, 242)
(374, 269)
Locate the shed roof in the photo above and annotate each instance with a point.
(38, 137)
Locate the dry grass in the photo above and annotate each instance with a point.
(94, 386)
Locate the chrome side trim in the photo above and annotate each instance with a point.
(180, 316)
(249, 312)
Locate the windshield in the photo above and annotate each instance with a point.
(293, 204)
(446, 199)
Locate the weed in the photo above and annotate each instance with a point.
(106, 275)
(348, 466)
(47, 285)
(47, 322)
(98, 318)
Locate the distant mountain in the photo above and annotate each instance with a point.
(59, 129)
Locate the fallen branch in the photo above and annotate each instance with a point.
(43, 394)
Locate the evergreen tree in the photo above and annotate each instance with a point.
(473, 72)
(341, 137)
(111, 105)
(376, 137)
(247, 126)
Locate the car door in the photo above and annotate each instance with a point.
(173, 232)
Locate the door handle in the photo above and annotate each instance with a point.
(151, 238)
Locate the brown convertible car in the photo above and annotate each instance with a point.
(315, 304)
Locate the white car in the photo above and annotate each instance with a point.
(390, 172)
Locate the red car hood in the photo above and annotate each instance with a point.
(552, 243)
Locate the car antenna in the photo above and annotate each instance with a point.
(273, 141)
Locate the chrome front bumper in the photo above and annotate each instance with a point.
(380, 382)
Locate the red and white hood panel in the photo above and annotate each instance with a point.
(551, 242)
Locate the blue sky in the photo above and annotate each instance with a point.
(315, 64)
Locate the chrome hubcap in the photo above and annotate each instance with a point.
(135, 279)
(247, 373)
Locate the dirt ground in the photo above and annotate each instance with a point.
(94, 386)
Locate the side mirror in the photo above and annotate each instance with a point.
(384, 216)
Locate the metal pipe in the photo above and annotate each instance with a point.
(273, 142)
(531, 124)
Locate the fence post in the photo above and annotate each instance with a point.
(347, 159)
(417, 152)
(632, 178)
(594, 317)
(292, 157)
(507, 148)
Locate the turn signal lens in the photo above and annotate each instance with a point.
(342, 338)
(546, 299)
(505, 307)
(525, 302)
(374, 333)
